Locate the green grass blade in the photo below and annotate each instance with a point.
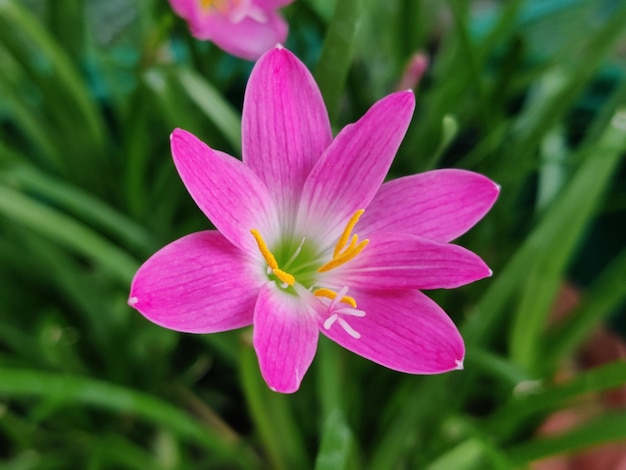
(83, 205)
(68, 232)
(551, 250)
(332, 69)
(601, 299)
(554, 237)
(337, 440)
(606, 428)
(13, 17)
(272, 415)
(542, 401)
(18, 383)
(211, 102)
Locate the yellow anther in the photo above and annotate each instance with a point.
(267, 254)
(271, 261)
(284, 276)
(344, 257)
(343, 239)
(354, 248)
(331, 294)
(220, 5)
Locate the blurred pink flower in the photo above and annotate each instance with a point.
(284, 257)
(243, 28)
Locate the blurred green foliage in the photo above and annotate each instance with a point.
(531, 93)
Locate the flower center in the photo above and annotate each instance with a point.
(304, 263)
(235, 10)
(284, 276)
(222, 6)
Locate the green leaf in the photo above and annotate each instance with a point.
(271, 414)
(601, 299)
(82, 204)
(465, 456)
(211, 102)
(550, 249)
(336, 443)
(543, 401)
(15, 19)
(68, 232)
(606, 428)
(545, 252)
(332, 69)
(18, 383)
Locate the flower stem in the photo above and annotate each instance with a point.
(271, 414)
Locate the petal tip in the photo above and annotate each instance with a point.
(133, 301)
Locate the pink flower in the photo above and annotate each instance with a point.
(284, 257)
(244, 28)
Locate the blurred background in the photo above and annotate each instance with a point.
(531, 93)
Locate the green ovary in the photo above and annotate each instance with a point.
(300, 259)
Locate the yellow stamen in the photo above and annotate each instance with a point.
(220, 5)
(343, 239)
(353, 249)
(284, 276)
(267, 254)
(330, 294)
(344, 257)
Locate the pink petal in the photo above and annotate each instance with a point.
(285, 338)
(200, 283)
(350, 172)
(285, 125)
(441, 205)
(227, 191)
(185, 8)
(273, 4)
(248, 38)
(403, 330)
(399, 261)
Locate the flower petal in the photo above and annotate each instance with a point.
(246, 34)
(401, 261)
(227, 191)
(285, 338)
(273, 4)
(403, 330)
(185, 8)
(248, 39)
(441, 204)
(348, 175)
(200, 283)
(285, 125)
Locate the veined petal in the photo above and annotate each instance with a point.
(246, 30)
(441, 204)
(227, 191)
(285, 125)
(348, 175)
(248, 38)
(273, 3)
(200, 283)
(403, 330)
(401, 261)
(285, 338)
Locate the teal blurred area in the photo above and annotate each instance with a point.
(531, 93)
